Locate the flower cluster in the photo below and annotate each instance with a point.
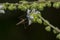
(24, 5)
(35, 16)
(32, 14)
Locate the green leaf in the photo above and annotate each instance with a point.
(58, 36)
(48, 28)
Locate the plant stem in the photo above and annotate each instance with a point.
(58, 30)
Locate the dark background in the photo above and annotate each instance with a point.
(9, 30)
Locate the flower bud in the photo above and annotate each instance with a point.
(48, 28)
(58, 36)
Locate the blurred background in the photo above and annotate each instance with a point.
(9, 30)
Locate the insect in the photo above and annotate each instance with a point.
(23, 20)
(30, 16)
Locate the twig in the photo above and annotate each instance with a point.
(58, 30)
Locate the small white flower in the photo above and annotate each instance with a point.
(1, 6)
(37, 11)
(29, 22)
(28, 11)
(2, 11)
(34, 10)
(31, 17)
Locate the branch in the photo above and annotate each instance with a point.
(58, 30)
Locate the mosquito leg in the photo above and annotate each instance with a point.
(21, 21)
